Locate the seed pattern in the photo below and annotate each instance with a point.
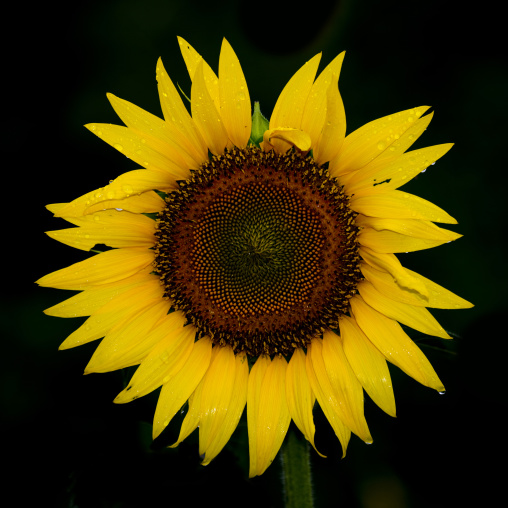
(259, 250)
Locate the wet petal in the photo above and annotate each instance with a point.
(206, 116)
(405, 235)
(128, 343)
(164, 361)
(234, 410)
(324, 92)
(103, 268)
(254, 395)
(373, 139)
(347, 389)
(368, 364)
(389, 263)
(300, 398)
(418, 318)
(325, 395)
(179, 388)
(113, 228)
(387, 335)
(176, 113)
(193, 60)
(140, 148)
(131, 299)
(334, 128)
(235, 108)
(156, 133)
(399, 205)
(290, 106)
(131, 191)
(270, 422)
(385, 174)
(92, 299)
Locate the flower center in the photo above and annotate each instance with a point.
(259, 250)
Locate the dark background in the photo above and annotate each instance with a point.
(66, 444)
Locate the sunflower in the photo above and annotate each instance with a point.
(252, 263)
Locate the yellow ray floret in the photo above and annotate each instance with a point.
(387, 335)
(300, 397)
(164, 360)
(267, 412)
(109, 266)
(368, 364)
(373, 140)
(235, 107)
(177, 390)
(325, 394)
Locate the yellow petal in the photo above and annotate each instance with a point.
(92, 299)
(191, 421)
(142, 149)
(216, 395)
(373, 139)
(163, 362)
(103, 268)
(399, 205)
(233, 411)
(161, 136)
(414, 228)
(235, 107)
(385, 174)
(368, 364)
(406, 140)
(206, 116)
(389, 263)
(175, 113)
(405, 235)
(179, 388)
(346, 386)
(334, 128)
(122, 193)
(290, 106)
(128, 343)
(192, 60)
(437, 296)
(387, 335)
(391, 166)
(300, 398)
(322, 388)
(324, 92)
(194, 413)
(254, 394)
(113, 228)
(130, 299)
(418, 318)
(145, 202)
(271, 421)
(295, 137)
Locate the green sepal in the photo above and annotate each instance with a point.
(259, 125)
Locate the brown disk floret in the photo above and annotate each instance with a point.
(259, 250)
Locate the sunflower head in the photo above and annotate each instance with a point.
(253, 263)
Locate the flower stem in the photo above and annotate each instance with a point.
(296, 472)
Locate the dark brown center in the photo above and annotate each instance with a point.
(259, 250)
